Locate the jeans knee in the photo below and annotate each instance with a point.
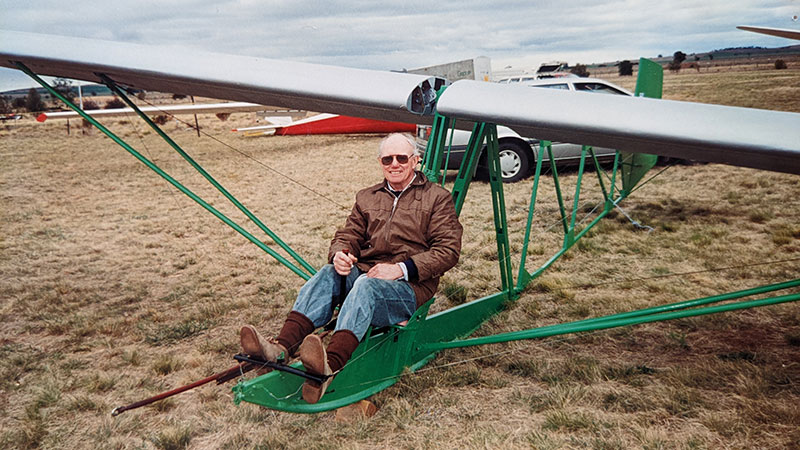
(326, 271)
(365, 287)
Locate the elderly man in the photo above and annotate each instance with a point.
(400, 237)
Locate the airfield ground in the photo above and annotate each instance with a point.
(113, 287)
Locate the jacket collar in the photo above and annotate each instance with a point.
(418, 181)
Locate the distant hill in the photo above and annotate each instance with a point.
(721, 55)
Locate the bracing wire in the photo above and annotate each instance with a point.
(250, 157)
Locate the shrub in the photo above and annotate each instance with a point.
(625, 68)
(33, 102)
(114, 103)
(580, 70)
(780, 64)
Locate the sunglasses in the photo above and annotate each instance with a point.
(387, 160)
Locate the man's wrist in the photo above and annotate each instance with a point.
(410, 272)
(404, 269)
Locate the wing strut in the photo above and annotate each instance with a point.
(113, 86)
(166, 176)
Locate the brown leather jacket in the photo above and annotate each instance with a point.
(423, 227)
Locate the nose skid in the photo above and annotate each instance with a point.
(381, 358)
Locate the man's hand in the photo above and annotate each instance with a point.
(385, 271)
(343, 262)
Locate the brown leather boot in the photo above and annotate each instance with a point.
(342, 345)
(295, 328)
(312, 354)
(254, 344)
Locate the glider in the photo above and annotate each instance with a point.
(768, 140)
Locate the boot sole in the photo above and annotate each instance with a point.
(312, 354)
(251, 344)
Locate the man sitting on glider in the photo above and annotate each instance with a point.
(400, 237)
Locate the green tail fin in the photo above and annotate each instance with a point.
(649, 83)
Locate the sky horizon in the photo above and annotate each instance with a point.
(386, 36)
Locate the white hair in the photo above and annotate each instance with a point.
(407, 136)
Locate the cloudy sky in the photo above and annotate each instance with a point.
(379, 34)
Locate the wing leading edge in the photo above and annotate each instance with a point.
(761, 139)
(768, 140)
(359, 92)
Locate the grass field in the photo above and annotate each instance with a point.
(114, 287)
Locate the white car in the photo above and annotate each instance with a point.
(517, 153)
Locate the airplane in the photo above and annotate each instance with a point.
(326, 123)
(7, 117)
(643, 124)
(779, 32)
(281, 125)
(199, 108)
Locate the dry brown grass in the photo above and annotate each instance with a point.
(113, 288)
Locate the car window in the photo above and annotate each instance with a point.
(553, 86)
(597, 87)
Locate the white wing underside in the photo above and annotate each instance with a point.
(768, 140)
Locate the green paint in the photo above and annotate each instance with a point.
(111, 85)
(164, 175)
(384, 355)
(649, 84)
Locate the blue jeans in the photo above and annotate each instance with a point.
(369, 301)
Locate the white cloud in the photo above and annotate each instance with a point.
(389, 35)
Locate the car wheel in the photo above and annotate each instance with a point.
(514, 161)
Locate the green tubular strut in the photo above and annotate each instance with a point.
(113, 86)
(468, 164)
(432, 160)
(656, 314)
(163, 174)
(524, 277)
(449, 148)
(570, 236)
(562, 209)
(499, 207)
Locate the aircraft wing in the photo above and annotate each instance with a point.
(312, 87)
(760, 139)
(756, 138)
(199, 108)
(779, 32)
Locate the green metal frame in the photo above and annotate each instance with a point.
(280, 258)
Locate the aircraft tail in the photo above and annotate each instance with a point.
(649, 83)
